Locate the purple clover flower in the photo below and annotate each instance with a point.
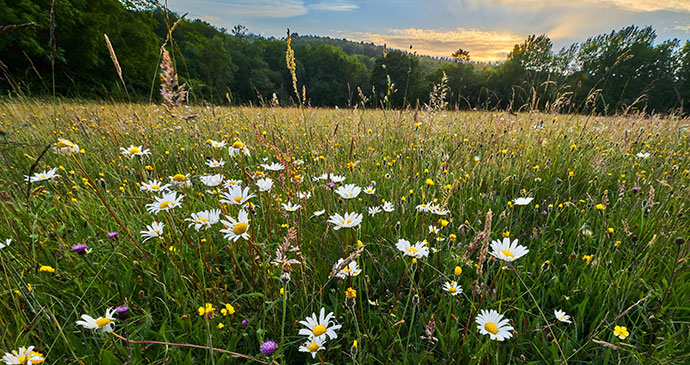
(81, 248)
(268, 348)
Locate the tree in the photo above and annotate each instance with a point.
(461, 55)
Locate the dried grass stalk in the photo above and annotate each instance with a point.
(173, 94)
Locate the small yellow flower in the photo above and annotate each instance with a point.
(600, 207)
(206, 310)
(45, 268)
(282, 291)
(587, 258)
(610, 230)
(359, 243)
(354, 344)
(452, 237)
(458, 270)
(506, 234)
(351, 293)
(220, 326)
(228, 310)
(429, 182)
(621, 332)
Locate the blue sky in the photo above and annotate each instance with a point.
(486, 28)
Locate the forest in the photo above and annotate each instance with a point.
(58, 49)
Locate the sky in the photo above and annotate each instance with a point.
(488, 29)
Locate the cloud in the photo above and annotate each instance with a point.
(242, 8)
(334, 6)
(483, 46)
(629, 5)
(685, 28)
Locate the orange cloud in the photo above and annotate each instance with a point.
(630, 5)
(484, 46)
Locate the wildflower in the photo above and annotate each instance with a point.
(165, 203)
(45, 268)
(452, 288)
(452, 237)
(264, 184)
(132, 151)
(457, 271)
(245, 322)
(220, 326)
(423, 207)
(215, 163)
(204, 219)
(352, 269)
(65, 147)
(348, 191)
(42, 176)
(350, 220)
(211, 180)
(319, 212)
(237, 148)
(206, 310)
(153, 186)
(561, 316)
(321, 327)
(522, 201)
(600, 207)
(490, 322)
(181, 181)
(216, 144)
(236, 228)
(228, 310)
(337, 179)
(417, 250)
(621, 332)
(312, 346)
(104, 323)
(236, 195)
(373, 210)
(643, 155)
(6, 243)
(507, 251)
(275, 166)
(388, 207)
(268, 348)
(153, 231)
(587, 258)
(291, 207)
(433, 229)
(304, 196)
(24, 356)
(370, 190)
(350, 293)
(81, 249)
(122, 312)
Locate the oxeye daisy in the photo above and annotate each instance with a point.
(424, 207)
(204, 219)
(104, 323)
(211, 180)
(337, 178)
(23, 356)
(304, 196)
(132, 151)
(452, 288)
(321, 327)
(490, 322)
(216, 144)
(417, 250)
(275, 166)
(351, 269)
(180, 180)
(350, 220)
(167, 202)
(374, 210)
(522, 200)
(561, 316)
(42, 176)
(312, 346)
(230, 183)
(507, 251)
(215, 163)
(237, 148)
(319, 213)
(348, 191)
(370, 190)
(6, 243)
(65, 147)
(291, 207)
(236, 195)
(236, 228)
(153, 186)
(264, 184)
(153, 231)
(388, 207)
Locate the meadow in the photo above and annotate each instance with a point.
(136, 234)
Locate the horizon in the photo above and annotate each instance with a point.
(487, 29)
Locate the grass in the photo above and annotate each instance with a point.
(602, 233)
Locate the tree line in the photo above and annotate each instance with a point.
(58, 48)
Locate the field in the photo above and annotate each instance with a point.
(598, 204)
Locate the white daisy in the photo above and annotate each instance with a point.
(181, 181)
(304, 196)
(65, 147)
(348, 221)
(490, 322)
(319, 212)
(42, 176)
(211, 180)
(298, 162)
(6, 243)
(348, 191)
(204, 219)
(104, 323)
(167, 202)
(238, 148)
(215, 163)
(423, 207)
(370, 190)
(433, 229)
(236, 228)
(155, 230)
(321, 327)
(236, 195)
(23, 356)
(643, 155)
(216, 144)
(435, 209)
(312, 346)
(132, 151)
(374, 210)
(290, 207)
(522, 200)
(154, 186)
(228, 184)
(337, 178)
(507, 251)
(561, 316)
(264, 184)
(275, 166)
(388, 207)
(417, 250)
(452, 288)
(352, 269)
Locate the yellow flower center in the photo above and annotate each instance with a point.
(346, 221)
(155, 187)
(452, 289)
(313, 347)
(202, 220)
(102, 322)
(507, 253)
(43, 176)
(237, 144)
(319, 330)
(134, 150)
(239, 228)
(179, 177)
(64, 143)
(166, 205)
(412, 250)
(491, 328)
